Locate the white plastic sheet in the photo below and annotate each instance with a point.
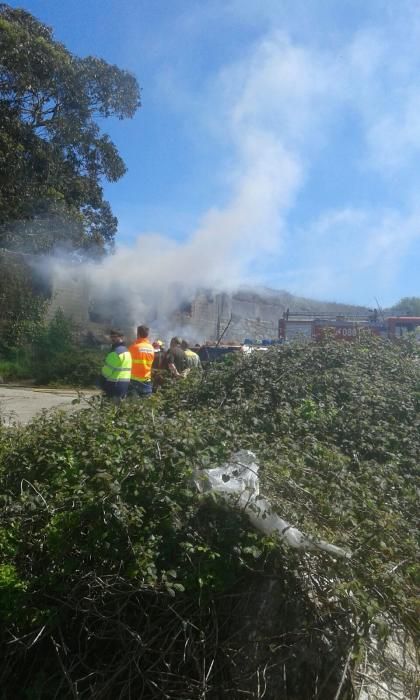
(238, 483)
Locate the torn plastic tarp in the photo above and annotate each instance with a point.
(237, 482)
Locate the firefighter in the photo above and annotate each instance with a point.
(116, 372)
(142, 355)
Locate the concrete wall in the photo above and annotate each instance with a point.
(249, 315)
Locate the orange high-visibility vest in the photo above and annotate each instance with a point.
(143, 354)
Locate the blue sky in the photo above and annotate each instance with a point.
(278, 142)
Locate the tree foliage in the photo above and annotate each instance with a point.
(56, 356)
(407, 306)
(33, 344)
(53, 154)
(118, 579)
(23, 303)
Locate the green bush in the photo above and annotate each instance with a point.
(17, 364)
(118, 572)
(22, 305)
(51, 354)
(56, 356)
(77, 367)
(7, 369)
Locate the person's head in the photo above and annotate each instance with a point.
(175, 342)
(116, 336)
(142, 332)
(184, 344)
(157, 344)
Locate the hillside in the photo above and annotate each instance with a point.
(118, 579)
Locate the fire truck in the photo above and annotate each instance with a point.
(304, 327)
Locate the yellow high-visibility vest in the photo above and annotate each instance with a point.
(117, 367)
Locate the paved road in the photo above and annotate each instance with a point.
(21, 404)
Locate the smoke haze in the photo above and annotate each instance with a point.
(270, 116)
(261, 182)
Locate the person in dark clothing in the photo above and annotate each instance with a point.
(159, 354)
(159, 366)
(175, 359)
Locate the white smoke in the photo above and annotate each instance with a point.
(257, 97)
(271, 112)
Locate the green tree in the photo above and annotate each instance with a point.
(407, 306)
(23, 301)
(53, 154)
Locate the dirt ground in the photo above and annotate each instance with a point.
(21, 404)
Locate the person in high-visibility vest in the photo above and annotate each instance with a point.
(116, 372)
(142, 355)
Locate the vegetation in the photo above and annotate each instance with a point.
(56, 355)
(22, 309)
(407, 306)
(47, 351)
(53, 155)
(118, 580)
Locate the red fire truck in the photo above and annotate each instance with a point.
(294, 326)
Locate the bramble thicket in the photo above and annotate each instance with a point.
(119, 580)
